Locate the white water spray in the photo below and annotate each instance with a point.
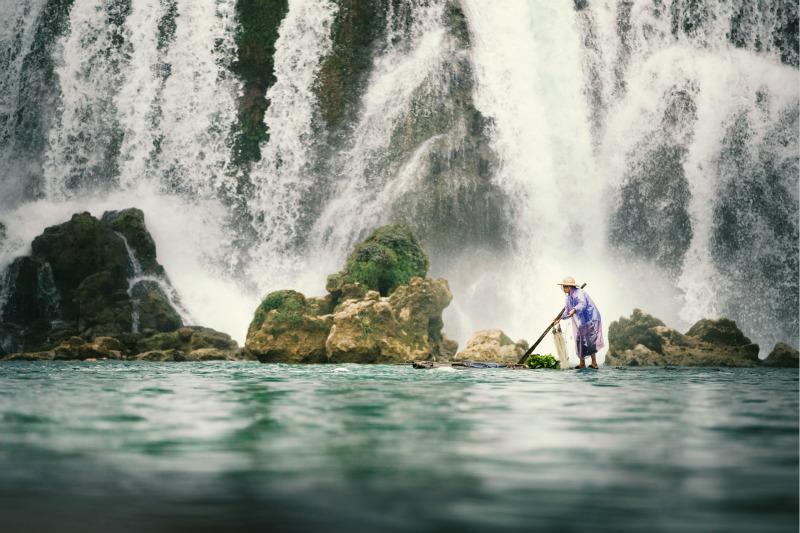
(283, 178)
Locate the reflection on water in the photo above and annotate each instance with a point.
(245, 446)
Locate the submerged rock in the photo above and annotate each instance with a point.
(493, 346)
(782, 356)
(643, 340)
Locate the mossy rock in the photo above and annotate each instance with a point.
(388, 258)
(290, 306)
(77, 249)
(626, 333)
(130, 224)
(782, 356)
(155, 310)
(721, 331)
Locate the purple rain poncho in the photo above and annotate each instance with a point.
(587, 322)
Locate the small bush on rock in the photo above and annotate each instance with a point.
(388, 258)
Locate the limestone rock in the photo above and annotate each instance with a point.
(643, 340)
(30, 356)
(782, 356)
(374, 329)
(493, 346)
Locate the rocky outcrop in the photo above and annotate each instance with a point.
(186, 344)
(493, 346)
(364, 327)
(782, 356)
(77, 282)
(643, 340)
(379, 309)
(94, 290)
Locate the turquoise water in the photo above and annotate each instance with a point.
(251, 447)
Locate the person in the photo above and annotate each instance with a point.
(585, 319)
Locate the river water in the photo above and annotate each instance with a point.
(131, 446)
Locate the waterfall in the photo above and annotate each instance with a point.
(165, 287)
(47, 296)
(405, 73)
(284, 178)
(648, 148)
(141, 101)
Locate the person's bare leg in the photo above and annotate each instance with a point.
(582, 364)
(594, 360)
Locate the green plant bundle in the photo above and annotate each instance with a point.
(543, 361)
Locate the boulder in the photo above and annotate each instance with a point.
(365, 332)
(643, 340)
(186, 344)
(77, 349)
(374, 329)
(204, 343)
(153, 308)
(493, 346)
(77, 249)
(782, 356)
(30, 356)
(380, 309)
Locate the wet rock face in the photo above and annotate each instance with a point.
(643, 340)
(130, 224)
(493, 346)
(782, 356)
(77, 250)
(76, 282)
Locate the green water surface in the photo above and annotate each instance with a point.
(249, 447)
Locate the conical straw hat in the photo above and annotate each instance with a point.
(568, 282)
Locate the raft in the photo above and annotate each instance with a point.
(466, 365)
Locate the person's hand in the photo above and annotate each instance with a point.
(556, 321)
(571, 312)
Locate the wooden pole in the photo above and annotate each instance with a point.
(535, 344)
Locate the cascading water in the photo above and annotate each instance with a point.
(284, 178)
(648, 148)
(139, 279)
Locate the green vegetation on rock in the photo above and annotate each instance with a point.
(289, 304)
(258, 30)
(388, 258)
